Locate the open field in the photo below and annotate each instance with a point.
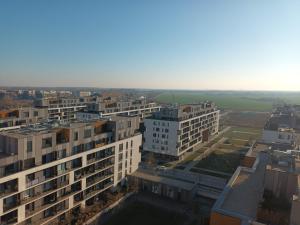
(243, 133)
(138, 213)
(246, 119)
(232, 100)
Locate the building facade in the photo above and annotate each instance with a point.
(22, 116)
(61, 109)
(109, 106)
(48, 173)
(175, 130)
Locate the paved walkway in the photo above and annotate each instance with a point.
(244, 132)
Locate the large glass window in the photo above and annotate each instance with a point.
(47, 142)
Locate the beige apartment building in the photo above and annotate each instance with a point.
(61, 109)
(22, 116)
(49, 173)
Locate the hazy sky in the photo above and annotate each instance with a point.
(204, 44)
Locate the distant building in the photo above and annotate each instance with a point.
(173, 131)
(61, 109)
(84, 93)
(280, 135)
(98, 107)
(48, 173)
(279, 128)
(22, 116)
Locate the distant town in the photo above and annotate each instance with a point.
(78, 156)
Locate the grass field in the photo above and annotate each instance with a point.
(140, 213)
(227, 156)
(239, 101)
(225, 162)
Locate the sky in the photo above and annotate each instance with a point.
(164, 44)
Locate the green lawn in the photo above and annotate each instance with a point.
(239, 101)
(137, 213)
(222, 161)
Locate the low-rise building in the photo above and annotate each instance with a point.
(279, 129)
(173, 131)
(261, 191)
(49, 172)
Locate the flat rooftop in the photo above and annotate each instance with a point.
(164, 180)
(46, 128)
(243, 193)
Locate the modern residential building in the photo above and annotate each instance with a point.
(48, 173)
(173, 131)
(14, 118)
(61, 109)
(109, 106)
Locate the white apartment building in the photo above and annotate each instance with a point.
(50, 173)
(175, 130)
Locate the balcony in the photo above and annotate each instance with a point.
(8, 187)
(53, 187)
(47, 203)
(10, 218)
(11, 202)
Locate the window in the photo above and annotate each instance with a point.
(35, 113)
(26, 114)
(126, 145)
(120, 157)
(167, 130)
(157, 129)
(121, 147)
(77, 149)
(62, 154)
(47, 142)
(120, 176)
(76, 136)
(48, 157)
(29, 146)
(154, 134)
(129, 123)
(87, 133)
(131, 143)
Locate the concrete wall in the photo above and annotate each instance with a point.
(281, 183)
(295, 217)
(155, 144)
